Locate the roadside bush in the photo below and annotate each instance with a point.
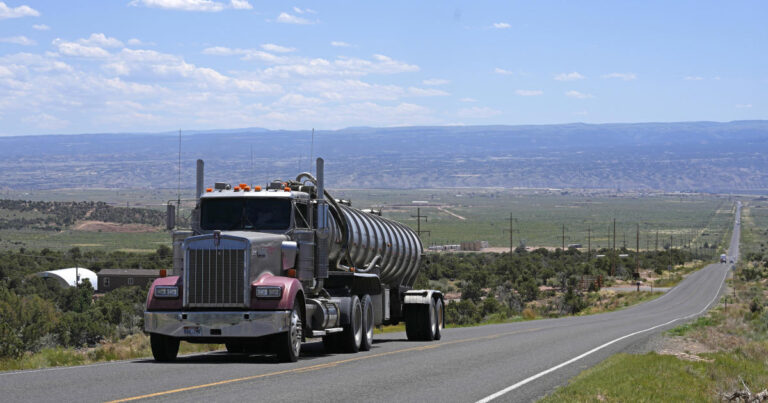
(463, 312)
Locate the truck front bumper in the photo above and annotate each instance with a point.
(195, 325)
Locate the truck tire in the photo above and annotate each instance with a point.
(421, 321)
(439, 317)
(352, 336)
(288, 344)
(368, 322)
(164, 348)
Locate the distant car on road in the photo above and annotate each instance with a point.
(723, 258)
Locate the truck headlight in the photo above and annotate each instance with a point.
(267, 291)
(166, 291)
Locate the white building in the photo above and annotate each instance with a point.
(68, 277)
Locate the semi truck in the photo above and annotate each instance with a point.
(723, 258)
(263, 269)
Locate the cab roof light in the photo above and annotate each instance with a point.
(247, 188)
(257, 188)
(242, 185)
(237, 188)
(208, 190)
(287, 189)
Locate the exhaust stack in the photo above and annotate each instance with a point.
(322, 223)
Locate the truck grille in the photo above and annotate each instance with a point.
(215, 277)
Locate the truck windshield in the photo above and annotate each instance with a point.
(245, 214)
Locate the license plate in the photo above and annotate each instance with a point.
(192, 331)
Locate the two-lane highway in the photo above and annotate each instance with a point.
(509, 362)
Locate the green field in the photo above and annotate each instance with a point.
(454, 216)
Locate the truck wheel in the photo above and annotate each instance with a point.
(368, 319)
(440, 318)
(288, 344)
(164, 348)
(352, 336)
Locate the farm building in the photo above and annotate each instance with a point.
(70, 276)
(109, 279)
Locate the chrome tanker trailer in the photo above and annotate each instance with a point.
(263, 269)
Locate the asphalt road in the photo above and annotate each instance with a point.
(510, 362)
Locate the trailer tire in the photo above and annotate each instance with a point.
(164, 348)
(421, 321)
(439, 317)
(352, 335)
(288, 344)
(368, 322)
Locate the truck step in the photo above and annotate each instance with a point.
(321, 333)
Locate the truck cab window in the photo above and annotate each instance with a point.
(302, 215)
(228, 214)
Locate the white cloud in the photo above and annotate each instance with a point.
(298, 101)
(137, 42)
(45, 121)
(501, 25)
(622, 76)
(579, 95)
(529, 93)
(41, 27)
(271, 47)
(193, 5)
(101, 40)
(693, 78)
(19, 40)
(426, 92)
(286, 18)
(501, 71)
(743, 106)
(340, 44)
(298, 10)
(435, 81)
(240, 5)
(569, 76)
(17, 12)
(75, 49)
(468, 100)
(477, 112)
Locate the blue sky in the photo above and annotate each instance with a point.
(158, 65)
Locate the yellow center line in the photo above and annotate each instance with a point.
(319, 366)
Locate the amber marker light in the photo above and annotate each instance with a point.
(208, 190)
(287, 189)
(257, 188)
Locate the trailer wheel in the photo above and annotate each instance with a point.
(439, 317)
(352, 336)
(164, 348)
(421, 321)
(288, 344)
(368, 319)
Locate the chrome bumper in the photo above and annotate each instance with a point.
(217, 324)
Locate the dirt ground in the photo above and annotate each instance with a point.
(101, 226)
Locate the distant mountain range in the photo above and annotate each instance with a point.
(688, 156)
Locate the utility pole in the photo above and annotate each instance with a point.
(657, 240)
(613, 256)
(637, 253)
(563, 237)
(589, 242)
(418, 218)
(511, 232)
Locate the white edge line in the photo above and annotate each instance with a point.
(556, 367)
